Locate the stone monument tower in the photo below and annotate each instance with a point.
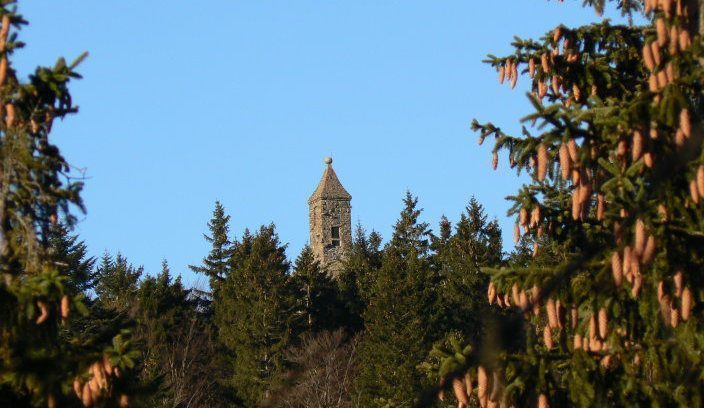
(330, 221)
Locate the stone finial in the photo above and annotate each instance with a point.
(328, 160)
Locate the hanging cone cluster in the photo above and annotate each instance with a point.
(93, 391)
(615, 110)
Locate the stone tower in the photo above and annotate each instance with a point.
(330, 221)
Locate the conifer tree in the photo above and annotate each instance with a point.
(459, 257)
(617, 187)
(400, 314)
(356, 278)
(71, 258)
(216, 264)
(315, 296)
(251, 311)
(38, 366)
(117, 283)
(177, 350)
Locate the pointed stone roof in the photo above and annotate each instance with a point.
(329, 186)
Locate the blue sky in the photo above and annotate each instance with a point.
(185, 103)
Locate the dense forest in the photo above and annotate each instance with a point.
(597, 305)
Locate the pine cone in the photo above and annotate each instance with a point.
(662, 79)
(661, 31)
(684, 40)
(600, 202)
(649, 251)
(679, 138)
(592, 327)
(460, 391)
(687, 303)
(674, 316)
(564, 161)
(655, 50)
(77, 387)
(637, 283)
(603, 323)
(65, 307)
(544, 61)
(496, 386)
(685, 122)
(523, 217)
(107, 365)
(543, 401)
(482, 383)
(551, 312)
(665, 309)
(616, 268)
(653, 83)
(674, 35)
(693, 192)
(531, 67)
(637, 150)
(648, 57)
(491, 293)
(523, 301)
(87, 396)
(678, 279)
(700, 180)
(560, 311)
(547, 337)
(639, 239)
(661, 290)
(468, 383)
(542, 161)
(621, 148)
(515, 294)
(556, 34)
(577, 343)
(627, 255)
(649, 159)
(43, 312)
(572, 149)
(576, 92)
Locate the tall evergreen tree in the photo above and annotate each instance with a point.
(117, 283)
(71, 258)
(37, 362)
(357, 276)
(617, 187)
(459, 257)
(314, 295)
(216, 265)
(399, 318)
(251, 311)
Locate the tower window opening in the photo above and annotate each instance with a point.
(335, 235)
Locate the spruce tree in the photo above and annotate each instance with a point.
(615, 155)
(38, 365)
(356, 278)
(216, 264)
(71, 258)
(459, 257)
(314, 295)
(251, 312)
(400, 315)
(117, 283)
